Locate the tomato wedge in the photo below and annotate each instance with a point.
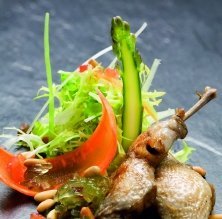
(98, 150)
(112, 73)
(83, 68)
(9, 171)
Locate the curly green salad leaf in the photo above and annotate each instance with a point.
(184, 154)
(73, 119)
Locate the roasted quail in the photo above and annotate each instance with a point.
(133, 186)
(182, 193)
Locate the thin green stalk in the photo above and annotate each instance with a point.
(49, 73)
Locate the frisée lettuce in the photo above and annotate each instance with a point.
(76, 115)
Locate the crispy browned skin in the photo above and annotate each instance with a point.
(182, 193)
(133, 187)
(133, 179)
(128, 192)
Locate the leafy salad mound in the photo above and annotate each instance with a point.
(125, 84)
(66, 126)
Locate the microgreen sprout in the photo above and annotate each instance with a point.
(49, 74)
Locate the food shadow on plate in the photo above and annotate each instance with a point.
(150, 213)
(11, 200)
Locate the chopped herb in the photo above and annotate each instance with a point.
(80, 192)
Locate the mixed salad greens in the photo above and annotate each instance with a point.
(126, 87)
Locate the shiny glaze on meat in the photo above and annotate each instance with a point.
(182, 193)
(132, 180)
(133, 188)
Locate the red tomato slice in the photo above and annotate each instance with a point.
(8, 172)
(113, 73)
(83, 68)
(98, 150)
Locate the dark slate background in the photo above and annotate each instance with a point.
(185, 35)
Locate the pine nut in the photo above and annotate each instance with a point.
(48, 203)
(42, 196)
(52, 214)
(92, 171)
(33, 161)
(215, 216)
(199, 170)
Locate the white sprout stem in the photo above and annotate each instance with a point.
(141, 29)
(35, 151)
(97, 55)
(38, 116)
(112, 64)
(153, 70)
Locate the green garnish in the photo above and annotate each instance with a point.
(49, 74)
(72, 122)
(79, 192)
(66, 126)
(184, 154)
(124, 46)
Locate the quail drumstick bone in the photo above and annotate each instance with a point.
(182, 192)
(133, 185)
(208, 95)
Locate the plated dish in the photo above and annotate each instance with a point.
(87, 157)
